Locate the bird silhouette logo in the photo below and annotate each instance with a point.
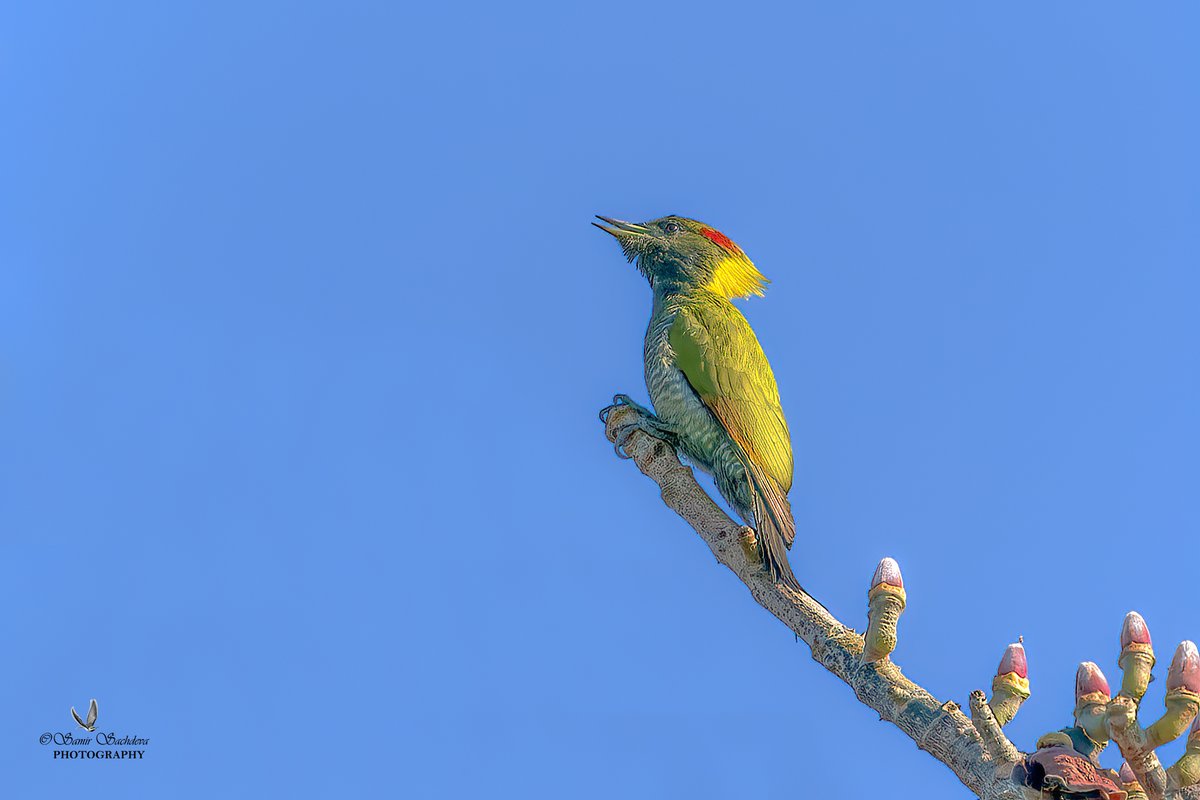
(88, 724)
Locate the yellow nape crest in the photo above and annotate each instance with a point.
(734, 275)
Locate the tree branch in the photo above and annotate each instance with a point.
(976, 749)
(941, 729)
(997, 744)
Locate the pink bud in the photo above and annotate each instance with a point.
(888, 571)
(1126, 774)
(1089, 679)
(1013, 661)
(1185, 668)
(1134, 631)
(1195, 731)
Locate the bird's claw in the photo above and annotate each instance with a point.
(622, 439)
(645, 422)
(625, 400)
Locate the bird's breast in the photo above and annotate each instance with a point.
(675, 401)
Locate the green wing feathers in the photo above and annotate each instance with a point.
(723, 361)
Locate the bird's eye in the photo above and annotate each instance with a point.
(672, 227)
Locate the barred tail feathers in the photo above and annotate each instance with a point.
(775, 526)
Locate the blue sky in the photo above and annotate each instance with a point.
(303, 330)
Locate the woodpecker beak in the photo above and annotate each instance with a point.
(621, 229)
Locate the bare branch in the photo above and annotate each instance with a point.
(976, 749)
(1138, 753)
(941, 729)
(998, 746)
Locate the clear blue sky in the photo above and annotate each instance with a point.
(303, 330)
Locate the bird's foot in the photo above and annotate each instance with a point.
(644, 421)
(623, 400)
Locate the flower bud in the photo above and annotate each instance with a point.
(1184, 672)
(1137, 656)
(885, 601)
(1090, 684)
(1091, 701)
(1010, 687)
(1134, 630)
(888, 572)
(1013, 661)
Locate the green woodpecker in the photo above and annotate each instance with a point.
(713, 392)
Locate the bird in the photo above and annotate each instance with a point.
(713, 393)
(88, 724)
